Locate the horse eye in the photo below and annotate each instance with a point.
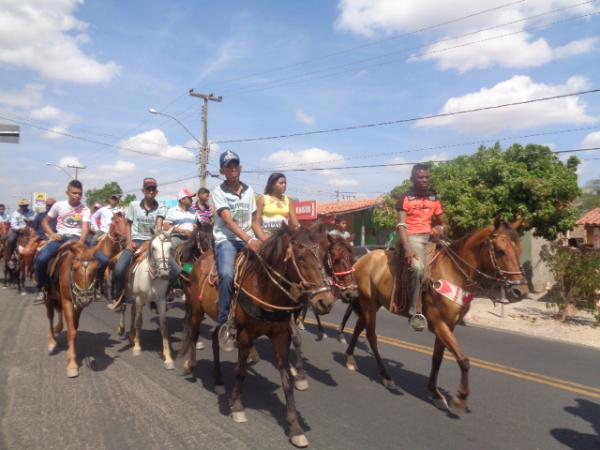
(501, 252)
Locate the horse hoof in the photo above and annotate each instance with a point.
(51, 349)
(253, 357)
(220, 390)
(301, 326)
(459, 405)
(169, 365)
(72, 372)
(341, 339)
(389, 384)
(301, 385)
(120, 332)
(299, 441)
(239, 417)
(293, 371)
(351, 364)
(137, 351)
(23, 293)
(199, 345)
(440, 403)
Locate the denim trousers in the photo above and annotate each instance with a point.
(416, 272)
(226, 254)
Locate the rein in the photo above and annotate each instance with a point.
(82, 297)
(155, 266)
(336, 276)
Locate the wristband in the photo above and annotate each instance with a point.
(400, 225)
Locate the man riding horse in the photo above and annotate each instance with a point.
(418, 210)
(19, 220)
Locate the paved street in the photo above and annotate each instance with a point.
(526, 393)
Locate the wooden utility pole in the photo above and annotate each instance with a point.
(204, 150)
(77, 169)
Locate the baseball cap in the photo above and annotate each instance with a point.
(23, 202)
(98, 205)
(149, 182)
(117, 196)
(228, 156)
(185, 192)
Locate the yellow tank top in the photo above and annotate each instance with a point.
(276, 212)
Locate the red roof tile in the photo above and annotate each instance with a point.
(346, 207)
(590, 218)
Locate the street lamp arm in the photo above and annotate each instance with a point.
(154, 111)
(61, 168)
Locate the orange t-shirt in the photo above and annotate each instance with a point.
(420, 210)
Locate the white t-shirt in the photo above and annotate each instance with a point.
(242, 207)
(69, 219)
(102, 218)
(4, 218)
(181, 219)
(18, 219)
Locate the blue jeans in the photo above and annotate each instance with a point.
(121, 268)
(226, 253)
(102, 263)
(44, 257)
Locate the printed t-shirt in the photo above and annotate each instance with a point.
(143, 221)
(203, 214)
(69, 219)
(102, 218)
(420, 210)
(241, 206)
(276, 212)
(181, 219)
(18, 220)
(337, 233)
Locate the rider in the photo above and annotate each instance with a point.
(236, 226)
(37, 222)
(418, 210)
(19, 219)
(141, 221)
(181, 219)
(204, 212)
(340, 229)
(275, 208)
(72, 222)
(102, 218)
(4, 219)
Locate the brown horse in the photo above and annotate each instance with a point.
(272, 284)
(489, 256)
(71, 287)
(15, 267)
(111, 244)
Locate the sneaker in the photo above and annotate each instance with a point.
(418, 322)
(199, 345)
(226, 338)
(40, 298)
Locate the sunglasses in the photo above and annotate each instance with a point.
(150, 189)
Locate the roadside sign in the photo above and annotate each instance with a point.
(9, 134)
(39, 201)
(306, 210)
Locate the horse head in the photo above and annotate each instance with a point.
(118, 227)
(340, 258)
(158, 255)
(82, 274)
(204, 238)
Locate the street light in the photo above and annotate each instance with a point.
(61, 168)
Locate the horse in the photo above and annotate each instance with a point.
(112, 243)
(487, 256)
(15, 266)
(270, 285)
(149, 282)
(75, 268)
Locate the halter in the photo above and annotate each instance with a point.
(163, 263)
(82, 296)
(336, 276)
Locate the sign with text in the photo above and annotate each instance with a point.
(39, 201)
(306, 210)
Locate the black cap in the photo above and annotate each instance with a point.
(228, 156)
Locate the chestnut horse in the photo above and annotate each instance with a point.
(75, 269)
(489, 256)
(15, 266)
(271, 285)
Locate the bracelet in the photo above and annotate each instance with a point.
(400, 225)
(252, 239)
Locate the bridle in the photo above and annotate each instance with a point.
(337, 277)
(162, 263)
(82, 296)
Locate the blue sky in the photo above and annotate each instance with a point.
(93, 69)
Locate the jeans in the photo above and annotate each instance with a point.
(44, 257)
(102, 263)
(11, 241)
(121, 268)
(226, 254)
(416, 272)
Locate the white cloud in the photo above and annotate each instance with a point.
(47, 38)
(313, 157)
(66, 161)
(120, 167)
(28, 97)
(55, 132)
(569, 110)
(592, 140)
(154, 142)
(342, 182)
(371, 18)
(61, 120)
(304, 118)
(227, 53)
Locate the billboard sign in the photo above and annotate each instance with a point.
(306, 210)
(39, 201)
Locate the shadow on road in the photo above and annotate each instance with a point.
(588, 411)
(90, 348)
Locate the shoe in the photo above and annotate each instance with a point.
(199, 345)
(40, 298)
(226, 339)
(177, 292)
(418, 322)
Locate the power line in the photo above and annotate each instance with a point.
(407, 120)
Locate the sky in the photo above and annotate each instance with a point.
(79, 78)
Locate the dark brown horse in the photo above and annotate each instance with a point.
(489, 256)
(111, 244)
(15, 268)
(271, 285)
(71, 287)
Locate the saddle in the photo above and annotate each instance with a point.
(55, 263)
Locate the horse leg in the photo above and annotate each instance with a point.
(302, 317)
(340, 331)
(121, 327)
(51, 332)
(281, 345)
(437, 397)
(358, 328)
(72, 366)
(192, 320)
(297, 369)
(320, 331)
(235, 401)
(371, 321)
(217, 375)
(137, 325)
(164, 331)
(447, 337)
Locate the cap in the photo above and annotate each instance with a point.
(228, 156)
(185, 192)
(98, 205)
(23, 202)
(117, 196)
(149, 182)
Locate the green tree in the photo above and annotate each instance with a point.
(101, 195)
(528, 181)
(577, 275)
(590, 197)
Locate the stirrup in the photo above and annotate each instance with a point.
(418, 322)
(226, 338)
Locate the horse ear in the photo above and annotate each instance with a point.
(518, 223)
(288, 253)
(497, 222)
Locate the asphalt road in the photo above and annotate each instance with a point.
(526, 393)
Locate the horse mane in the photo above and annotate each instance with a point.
(502, 226)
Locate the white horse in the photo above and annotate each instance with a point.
(149, 282)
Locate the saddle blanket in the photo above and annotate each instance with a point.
(453, 293)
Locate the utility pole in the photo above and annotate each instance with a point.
(204, 149)
(337, 196)
(77, 169)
